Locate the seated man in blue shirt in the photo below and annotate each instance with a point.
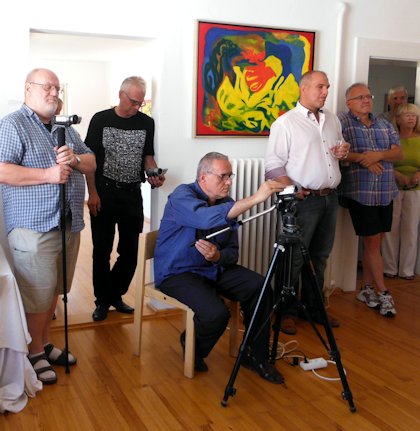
(197, 271)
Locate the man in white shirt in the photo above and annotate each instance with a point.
(304, 147)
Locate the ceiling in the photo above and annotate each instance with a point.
(83, 47)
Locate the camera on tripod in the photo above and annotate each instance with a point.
(66, 120)
(286, 204)
(288, 193)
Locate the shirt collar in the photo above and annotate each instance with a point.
(305, 111)
(371, 116)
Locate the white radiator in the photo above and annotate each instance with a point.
(256, 237)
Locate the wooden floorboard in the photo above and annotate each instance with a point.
(110, 389)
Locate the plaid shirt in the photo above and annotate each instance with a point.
(357, 182)
(25, 141)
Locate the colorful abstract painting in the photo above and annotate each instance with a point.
(247, 76)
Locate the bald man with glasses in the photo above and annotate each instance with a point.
(368, 186)
(31, 169)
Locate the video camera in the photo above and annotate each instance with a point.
(66, 120)
(286, 204)
(288, 193)
(155, 172)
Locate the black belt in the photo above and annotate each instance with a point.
(322, 192)
(121, 185)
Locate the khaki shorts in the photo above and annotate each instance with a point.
(38, 264)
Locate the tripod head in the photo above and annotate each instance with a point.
(286, 204)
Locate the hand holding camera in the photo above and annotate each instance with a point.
(156, 176)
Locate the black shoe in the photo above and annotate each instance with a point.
(122, 307)
(266, 370)
(100, 313)
(199, 364)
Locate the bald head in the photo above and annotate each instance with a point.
(42, 89)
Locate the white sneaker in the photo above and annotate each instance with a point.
(387, 307)
(368, 295)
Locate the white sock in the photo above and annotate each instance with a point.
(45, 375)
(55, 353)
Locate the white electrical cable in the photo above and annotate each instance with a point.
(330, 379)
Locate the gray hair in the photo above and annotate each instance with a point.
(356, 84)
(206, 162)
(397, 89)
(133, 80)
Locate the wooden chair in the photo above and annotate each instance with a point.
(146, 251)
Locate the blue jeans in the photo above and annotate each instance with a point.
(316, 218)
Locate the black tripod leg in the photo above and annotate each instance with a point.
(283, 288)
(61, 135)
(333, 351)
(230, 390)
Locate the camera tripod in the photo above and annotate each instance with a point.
(287, 240)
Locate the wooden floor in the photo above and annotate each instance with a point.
(110, 389)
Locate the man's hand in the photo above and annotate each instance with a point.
(58, 174)
(208, 250)
(376, 169)
(94, 203)
(341, 151)
(271, 186)
(65, 156)
(156, 180)
(369, 158)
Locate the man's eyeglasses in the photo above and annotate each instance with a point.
(47, 87)
(223, 177)
(362, 97)
(134, 101)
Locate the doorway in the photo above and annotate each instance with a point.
(387, 73)
(91, 69)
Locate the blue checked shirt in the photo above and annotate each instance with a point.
(357, 182)
(25, 141)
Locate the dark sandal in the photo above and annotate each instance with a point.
(266, 370)
(41, 370)
(61, 359)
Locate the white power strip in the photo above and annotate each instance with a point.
(313, 364)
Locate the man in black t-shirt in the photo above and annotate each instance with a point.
(122, 140)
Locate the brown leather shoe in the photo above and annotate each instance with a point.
(288, 325)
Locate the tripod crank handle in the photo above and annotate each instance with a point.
(212, 235)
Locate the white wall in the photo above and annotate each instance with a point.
(173, 24)
(173, 74)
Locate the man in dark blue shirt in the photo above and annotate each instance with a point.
(196, 271)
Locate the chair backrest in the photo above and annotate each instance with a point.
(150, 243)
(147, 245)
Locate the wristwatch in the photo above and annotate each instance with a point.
(77, 158)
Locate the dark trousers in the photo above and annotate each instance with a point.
(124, 209)
(316, 217)
(212, 315)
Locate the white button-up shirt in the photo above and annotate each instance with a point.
(300, 147)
